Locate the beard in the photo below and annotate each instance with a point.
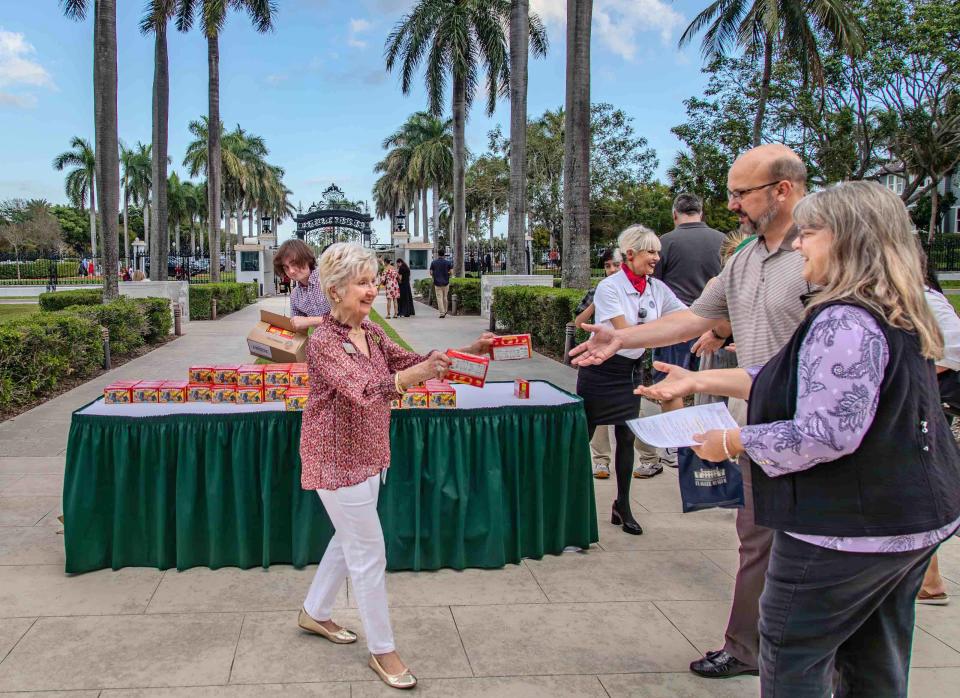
(761, 223)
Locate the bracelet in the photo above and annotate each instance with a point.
(726, 451)
(396, 383)
(716, 334)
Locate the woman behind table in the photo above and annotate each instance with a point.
(853, 462)
(629, 297)
(355, 371)
(391, 283)
(308, 304)
(405, 298)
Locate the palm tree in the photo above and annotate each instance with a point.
(212, 15)
(81, 180)
(456, 38)
(764, 27)
(432, 161)
(576, 148)
(177, 206)
(488, 181)
(135, 168)
(105, 121)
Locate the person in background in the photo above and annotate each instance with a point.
(625, 299)
(853, 464)
(405, 303)
(440, 273)
(391, 286)
(308, 304)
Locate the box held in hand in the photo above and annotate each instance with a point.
(511, 346)
(275, 338)
(467, 368)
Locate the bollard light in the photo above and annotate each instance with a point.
(570, 332)
(105, 334)
(213, 308)
(454, 302)
(177, 317)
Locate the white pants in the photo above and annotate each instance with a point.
(357, 549)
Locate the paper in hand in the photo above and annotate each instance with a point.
(675, 429)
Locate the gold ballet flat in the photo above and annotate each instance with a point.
(402, 680)
(341, 637)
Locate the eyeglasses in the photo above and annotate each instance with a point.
(738, 194)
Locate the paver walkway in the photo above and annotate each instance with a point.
(623, 619)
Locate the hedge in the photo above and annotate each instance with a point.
(230, 297)
(467, 290)
(542, 312)
(58, 300)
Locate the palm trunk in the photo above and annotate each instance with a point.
(126, 229)
(160, 244)
(108, 141)
(93, 218)
(250, 222)
(425, 214)
(576, 150)
(176, 233)
(436, 219)
(517, 211)
(228, 231)
(416, 215)
(459, 166)
(214, 180)
(934, 213)
(193, 240)
(764, 90)
(146, 219)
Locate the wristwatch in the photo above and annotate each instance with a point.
(716, 334)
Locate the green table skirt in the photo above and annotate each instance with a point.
(466, 488)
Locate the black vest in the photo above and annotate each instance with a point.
(905, 476)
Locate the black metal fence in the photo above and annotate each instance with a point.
(53, 270)
(944, 253)
(484, 258)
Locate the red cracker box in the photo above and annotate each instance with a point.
(223, 393)
(467, 368)
(173, 391)
(199, 392)
(274, 393)
(225, 375)
(511, 346)
(276, 374)
(299, 376)
(395, 404)
(119, 392)
(147, 391)
(201, 374)
(296, 399)
(250, 375)
(521, 389)
(249, 395)
(440, 394)
(415, 397)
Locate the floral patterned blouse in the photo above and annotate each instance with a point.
(345, 436)
(841, 366)
(391, 281)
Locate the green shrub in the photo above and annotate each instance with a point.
(58, 300)
(542, 312)
(40, 351)
(125, 320)
(159, 317)
(467, 290)
(230, 297)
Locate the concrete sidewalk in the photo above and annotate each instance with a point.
(622, 619)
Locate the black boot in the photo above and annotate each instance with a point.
(624, 519)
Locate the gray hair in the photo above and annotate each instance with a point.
(638, 238)
(341, 263)
(790, 168)
(687, 204)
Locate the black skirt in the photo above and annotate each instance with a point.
(607, 390)
(405, 302)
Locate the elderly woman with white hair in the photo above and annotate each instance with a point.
(355, 371)
(629, 297)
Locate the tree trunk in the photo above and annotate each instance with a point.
(214, 180)
(250, 222)
(576, 148)
(228, 231)
(517, 211)
(425, 214)
(107, 139)
(459, 166)
(764, 89)
(94, 180)
(146, 219)
(490, 223)
(193, 240)
(176, 233)
(934, 212)
(436, 219)
(160, 244)
(416, 215)
(126, 230)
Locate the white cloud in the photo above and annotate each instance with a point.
(16, 66)
(276, 78)
(356, 43)
(357, 27)
(17, 101)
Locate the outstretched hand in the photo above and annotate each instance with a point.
(679, 383)
(601, 346)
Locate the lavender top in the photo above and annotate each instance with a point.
(841, 366)
(309, 300)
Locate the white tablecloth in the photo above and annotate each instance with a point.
(468, 398)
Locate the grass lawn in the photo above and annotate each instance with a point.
(952, 297)
(391, 333)
(9, 311)
(950, 283)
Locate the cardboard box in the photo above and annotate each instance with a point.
(275, 338)
(441, 395)
(250, 375)
(199, 392)
(173, 391)
(511, 346)
(223, 393)
(119, 393)
(249, 395)
(201, 374)
(415, 398)
(521, 389)
(276, 374)
(274, 393)
(467, 368)
(396, 404)
(225, 375)
(299, 376)
(296, 399)
(147, 391)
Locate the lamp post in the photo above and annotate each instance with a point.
(266, 224)
(139, 246)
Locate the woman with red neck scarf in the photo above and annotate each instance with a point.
(630, 297)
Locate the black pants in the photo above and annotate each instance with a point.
(829, 616)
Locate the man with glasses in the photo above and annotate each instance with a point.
(759, 290)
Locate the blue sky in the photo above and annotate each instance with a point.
(315, 89)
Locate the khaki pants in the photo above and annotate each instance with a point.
(441, 292)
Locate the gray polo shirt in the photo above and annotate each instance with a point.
(689, 257)
(759, 291)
